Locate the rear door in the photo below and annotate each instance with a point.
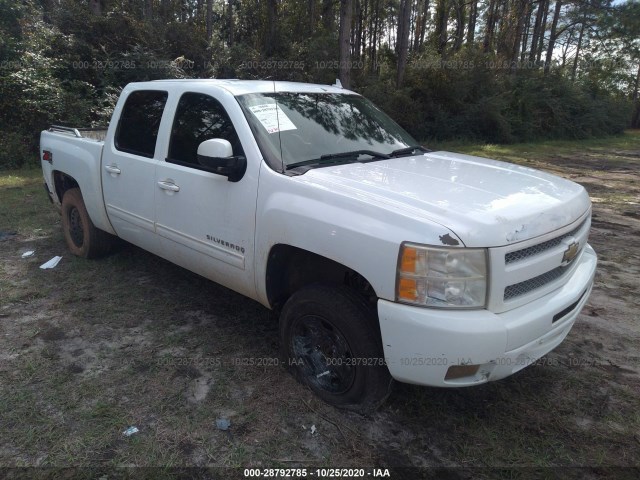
(128, 168)
(205, 222)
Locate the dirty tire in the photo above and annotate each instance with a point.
(330, 341)
(82, 237)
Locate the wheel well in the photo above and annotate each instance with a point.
(63, 182)
(291, 268)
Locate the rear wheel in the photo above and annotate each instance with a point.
(331, 342)
(82, 237)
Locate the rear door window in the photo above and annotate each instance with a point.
(140, 121)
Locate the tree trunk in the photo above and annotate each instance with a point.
(272, 23)
(183, 11)
(209, 20)
(635, 120)
(164, 10)
(566, 46)
(490, 26)
(576, 59)
(355, 34)
(327, 15)
(543, 29)
(95, 7)
(525, 33)
(442, 20)
(373, 57)
(473, 15)
(312, 16)
(404, 21)
(229, 20)
(416, 27)
(346, 12)
(363, 28)
(552, 37)
(460, 8)
(504, 28)
(537, 25)
(391, 22)
(148, 10)
(522, 11)
(48, 7)
(370, 44)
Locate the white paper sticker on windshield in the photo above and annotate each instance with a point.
(270, 118)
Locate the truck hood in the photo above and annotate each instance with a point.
(485, 203)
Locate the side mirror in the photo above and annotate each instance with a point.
(216, 155)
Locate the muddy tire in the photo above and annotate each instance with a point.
(82, 237)
(330, 341)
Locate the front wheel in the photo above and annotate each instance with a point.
(331, 342)
(82, 237)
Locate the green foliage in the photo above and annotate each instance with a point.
(59, 63)
(68, 70)
(31, 94)
(466, 97)
(14, 149)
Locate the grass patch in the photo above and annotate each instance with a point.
(544, 150)
(23, 209)
(92, 347)
(20, 177)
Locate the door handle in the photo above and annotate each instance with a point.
(112, 169)
(169, 186)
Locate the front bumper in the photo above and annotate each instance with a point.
(421, 344)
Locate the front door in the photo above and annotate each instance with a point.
(204, 222)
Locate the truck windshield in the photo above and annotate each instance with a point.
(312, 129)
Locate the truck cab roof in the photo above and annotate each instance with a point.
(241, 87)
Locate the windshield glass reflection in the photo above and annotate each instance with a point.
(307, 126)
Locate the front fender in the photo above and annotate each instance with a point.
(362, 235)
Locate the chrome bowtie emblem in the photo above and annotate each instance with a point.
(570, 253)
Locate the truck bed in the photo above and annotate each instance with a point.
(98, 133)
(77, 153)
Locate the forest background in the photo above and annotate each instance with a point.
(497, 71)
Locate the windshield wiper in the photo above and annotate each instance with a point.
(408, 151)
(336, 157)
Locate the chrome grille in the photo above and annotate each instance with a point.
(522, 288)
(541, 247)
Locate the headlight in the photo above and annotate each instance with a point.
(442, 277)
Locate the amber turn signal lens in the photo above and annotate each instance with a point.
(408, 260)
(407, 289)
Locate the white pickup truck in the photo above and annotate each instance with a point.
(385, 260)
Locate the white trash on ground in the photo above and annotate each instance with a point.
(51, 263)
(223, 423)
(130, 431)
